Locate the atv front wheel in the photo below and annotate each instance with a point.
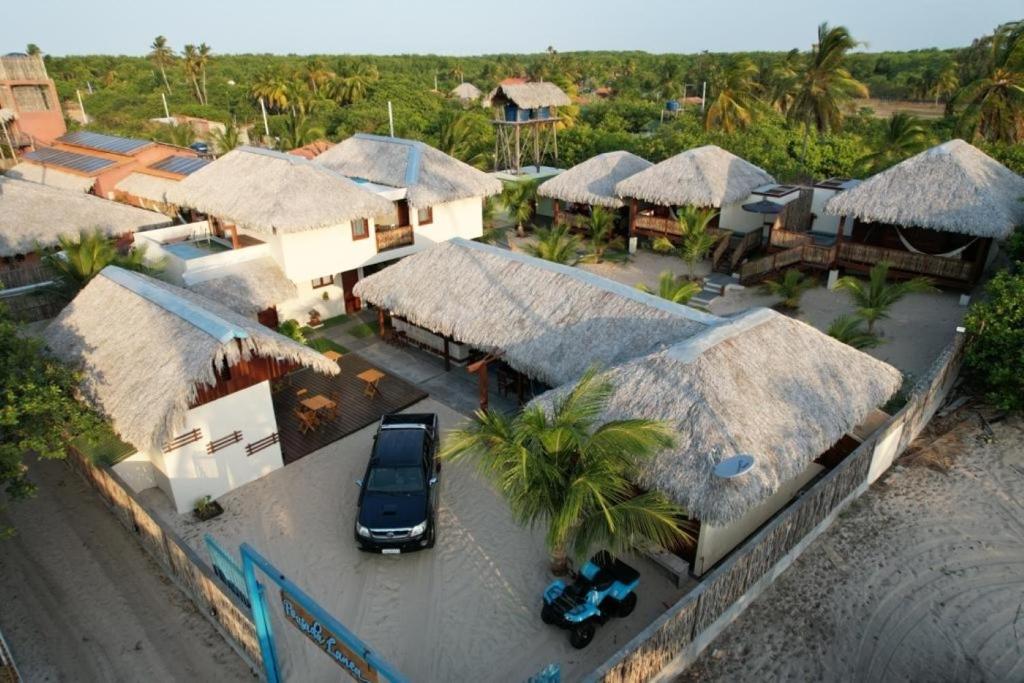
(548, 614)
(627, 605)
(582, 634)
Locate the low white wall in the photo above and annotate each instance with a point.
(715, 542)
(823, 222)
(734, 218)
(137, 471)
(192, 473)
(189, 271)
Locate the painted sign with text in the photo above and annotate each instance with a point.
(353, 664)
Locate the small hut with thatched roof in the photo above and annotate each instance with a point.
(466, 93)
(53, 177)
(525, 123)
(592, 183)
(252, 288)
(935, 214)
(34, 215)
(707, 177)
(147, 187)
(183, 379)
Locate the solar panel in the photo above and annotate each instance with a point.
(72, 160)
(833, 183)
(104, 143)
(180, 165)
(778, 190)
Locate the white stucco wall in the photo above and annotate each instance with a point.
(734, 218)
(137, 471)
(189, 473)
(715, 542)
(823, 222)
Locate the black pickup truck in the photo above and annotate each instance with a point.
(398, 493)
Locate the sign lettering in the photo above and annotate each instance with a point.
(353, 664)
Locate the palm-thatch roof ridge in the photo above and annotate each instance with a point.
(146, 186)
(704, 176)
(726, 393)
(269, 192)
(146, 347)
(248, 287)
(32, 214)
(549, 321)
(467, 91)
(593, 181)
(429, 175)
(532, 95)
(953, 187)
(53, 177)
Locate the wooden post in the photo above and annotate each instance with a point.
(554, 219)
(234, 236)
(447, 356)
(839, 240)
(482, 376)
(518, 150)
(382, 328)
(536, 146)
(632, 217)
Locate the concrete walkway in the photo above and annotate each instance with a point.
(83, 602)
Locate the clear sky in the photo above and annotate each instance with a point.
(463, 27)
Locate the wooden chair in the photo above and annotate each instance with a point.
(336, 397)
(301, 392)
(307, 420)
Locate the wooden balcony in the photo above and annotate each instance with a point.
(394, 237)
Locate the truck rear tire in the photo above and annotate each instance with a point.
(582, 634)
(627, 605)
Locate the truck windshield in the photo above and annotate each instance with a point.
(395, 480)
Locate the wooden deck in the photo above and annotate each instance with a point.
(355, 412)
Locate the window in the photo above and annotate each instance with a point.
(360, 229)
(324, 281)
(425, 216)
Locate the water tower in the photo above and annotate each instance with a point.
(525, 124)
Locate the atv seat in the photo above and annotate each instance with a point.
(613, 569)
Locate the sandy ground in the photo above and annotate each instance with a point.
(467, 610)
(922, 579)
(81, 601)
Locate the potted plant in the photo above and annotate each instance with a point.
(207, 508)
(314, 318)
(325, 296)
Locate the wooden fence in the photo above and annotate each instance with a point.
(924, 264)
(690, 625)
(32, 274)
(192, 575)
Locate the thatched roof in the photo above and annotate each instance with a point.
(249, 287)
(703, 176)
(429, 175)
(145, 347)
(467, 91)
(760, 384)
(32, 214)
(145, 186)
(269, 192)
(953, 187)
(52, 177)
(531, 95)
(550, 321)
(593, 181)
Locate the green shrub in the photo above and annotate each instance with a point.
(995, 342)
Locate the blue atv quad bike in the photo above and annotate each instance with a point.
(604, 588)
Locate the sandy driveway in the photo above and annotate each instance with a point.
(81, 600)
(467, 610)
(923, 579)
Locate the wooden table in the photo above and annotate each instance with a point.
(332, 355)
(372, 378)
(317, 403)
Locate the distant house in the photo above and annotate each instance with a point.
(574, 192)
(29, 108)
(184, 381)
(96, 162)
(147, 187)
(466, 92)
(525, 123)
(203, 129)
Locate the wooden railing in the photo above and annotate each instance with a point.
(750, 241)
(723, 245)
(574, 220)
(909, 262)
(786, 239)
(394, 237)
(11, 278)
(807, 253)
(656, 224)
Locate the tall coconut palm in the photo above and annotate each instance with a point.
(466, 135)
(790, 288)
(203, 56)
(696, 240)
(781, 80)
(85, 256)
(825, 84)
(994, 103)
(601, 230)
(555, 244)
(848, 329)
(876, 297)
(273, 89)
(161, 54)
(298, 131)
(571, 472)
(947, 83)
(904, 136)
(317, 75)
(190, 53)
(733, 105)
(675, 289)
(520, 200)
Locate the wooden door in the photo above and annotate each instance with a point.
(348, 280)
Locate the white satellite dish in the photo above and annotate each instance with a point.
(736, 466)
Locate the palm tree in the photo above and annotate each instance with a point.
(203, 55)
(847, 329)
(601, 227)
(903, 137)
(994, 103)
(781, 81)
(162, 56)
(791, 287)
(353, 88)
(226, 140)
(675, 289)
(733, 106)
(555, 244)
(697, 241)
(273, 89)
(947, 82)
(519, 199)
(191, 55)
(85, 256)
(317, 75)
(181, 134)
(33, 50)
(874, 298)
(825, 84)
(571, 472)
(298, 131)
(465, 136)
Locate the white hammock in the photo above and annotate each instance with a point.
(949, 254)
